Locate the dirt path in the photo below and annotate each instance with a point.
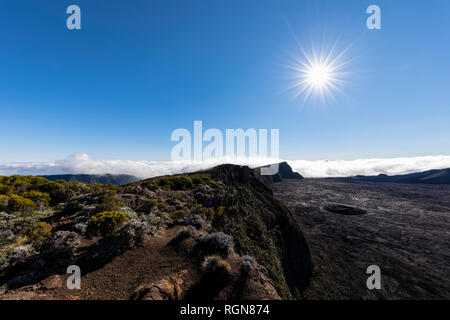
(148, 263)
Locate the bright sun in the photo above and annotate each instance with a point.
(318, 75)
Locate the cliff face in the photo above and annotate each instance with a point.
(263, 227)
(222, 232)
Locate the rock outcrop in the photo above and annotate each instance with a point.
(285, 172)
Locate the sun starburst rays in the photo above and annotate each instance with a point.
(318, 75)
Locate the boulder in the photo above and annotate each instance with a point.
(52, 282)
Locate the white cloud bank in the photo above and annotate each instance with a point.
(82, 163)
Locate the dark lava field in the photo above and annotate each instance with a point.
(402, 228)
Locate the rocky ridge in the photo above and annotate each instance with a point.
(214, 234)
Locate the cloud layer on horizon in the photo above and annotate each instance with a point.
(82, 163)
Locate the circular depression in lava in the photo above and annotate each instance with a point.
(345, 210)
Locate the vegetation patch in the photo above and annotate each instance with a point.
(108, 201)
(178, 213)
(180, 182)
(106, 222)
(20, 204)
(38, 197)
(40, 233)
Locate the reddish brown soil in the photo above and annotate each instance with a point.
(119, 279)
(146, 264)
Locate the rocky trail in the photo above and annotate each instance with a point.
(119, 279)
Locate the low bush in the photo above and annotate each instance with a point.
(200, 179)
(20, 204)
(178, 213)
(194, 220)
(6, 236)
(203, 211)
(148, 205)
(219, 214)
(5, 189)
(21, 224)
(61, 243)
(163, 206)
(40, 233)
(4, 258)
(106, 222)
(247, 264)
(132, 234)
(176, 182)
(181, 235)
(4, 200)
(216, 243)
(78, 188)
(108, 202)
(214, 267)
(72, 207)
(38, 197)
(151, 185)
(19, 184)
(58, 191)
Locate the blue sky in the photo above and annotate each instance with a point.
(140, 69)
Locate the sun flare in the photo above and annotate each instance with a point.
(318, 75)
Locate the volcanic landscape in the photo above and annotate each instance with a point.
(402, 228)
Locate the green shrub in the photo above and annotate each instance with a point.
(150, 185)
(40, 233)
(58, 191)
(4, 200)
(72, 207)
(5, 189)
(37, 197)
(108, 201)
(178, 213)
(221, 210)
(218, 215)
(201, 178)
(204, 211)
(4, 258)
(108, 206)
(163, 206)
(106, 222)
(21, 225)
(148, 205)
(19, 184)
(30, 187)
(103, 189)
(78, 187)
(20, 204)
(176, 182)
(214, 267)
